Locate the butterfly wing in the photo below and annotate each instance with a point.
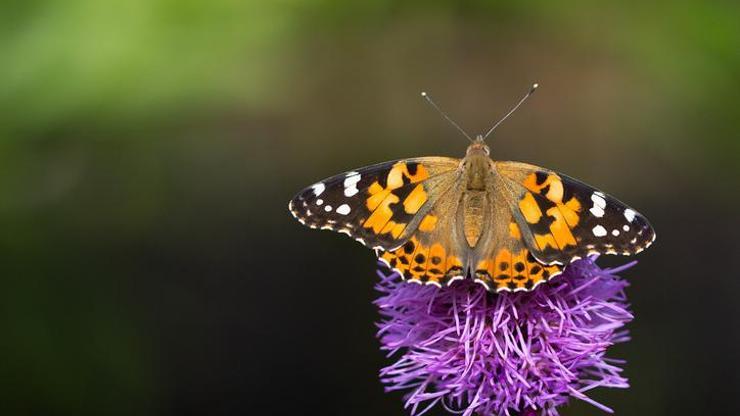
(562, 219)
(502, 261)
(436, 253)
(380, 205)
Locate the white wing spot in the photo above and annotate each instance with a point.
(318, 189)
(599, 231)
(350, 183)
(629, 215)
(343, 209)
(319, 201)
(626, 227)
(598, 199)
(615, 232)
(599, 204)
(328, 208)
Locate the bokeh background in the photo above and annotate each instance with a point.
(148, 150)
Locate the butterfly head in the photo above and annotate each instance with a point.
(478, 147)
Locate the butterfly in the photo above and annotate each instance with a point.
(510, 226)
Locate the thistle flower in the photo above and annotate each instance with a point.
(471, 351)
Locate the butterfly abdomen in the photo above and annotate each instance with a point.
(473, 208)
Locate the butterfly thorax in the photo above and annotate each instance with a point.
(477, 167)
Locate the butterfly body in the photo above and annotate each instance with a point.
(508, 225)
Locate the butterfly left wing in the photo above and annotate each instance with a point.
(562, 219)
(379, 205)
(436, 253)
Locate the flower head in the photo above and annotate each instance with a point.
(503, 354)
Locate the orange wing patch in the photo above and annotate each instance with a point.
(395, 228)
(424, 264)
(552, 189)
(545, 241)
(559, 228)
(381, 211)
(553, 229)
(514, 231)
(513, 271)
(530, 209)
(381, 198)
(428, 224)
(435, 267)
(415, 200)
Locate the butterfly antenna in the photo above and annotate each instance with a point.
(429, 100)
(531, 90)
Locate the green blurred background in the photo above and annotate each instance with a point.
(148, 150)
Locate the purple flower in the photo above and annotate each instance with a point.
(472, 351)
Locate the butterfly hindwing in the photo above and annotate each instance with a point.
(502, 260)
(436, 253)
(563, 219)
(379, 205)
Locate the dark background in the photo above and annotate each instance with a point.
(148, 151)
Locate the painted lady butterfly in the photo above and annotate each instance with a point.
(508, 225)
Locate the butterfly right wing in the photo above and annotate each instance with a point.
(563, 219)
(502, 261)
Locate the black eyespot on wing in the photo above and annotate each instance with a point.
(408, 248)
(540, 177)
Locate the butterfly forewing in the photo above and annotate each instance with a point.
(563, 219)
(379, 205)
